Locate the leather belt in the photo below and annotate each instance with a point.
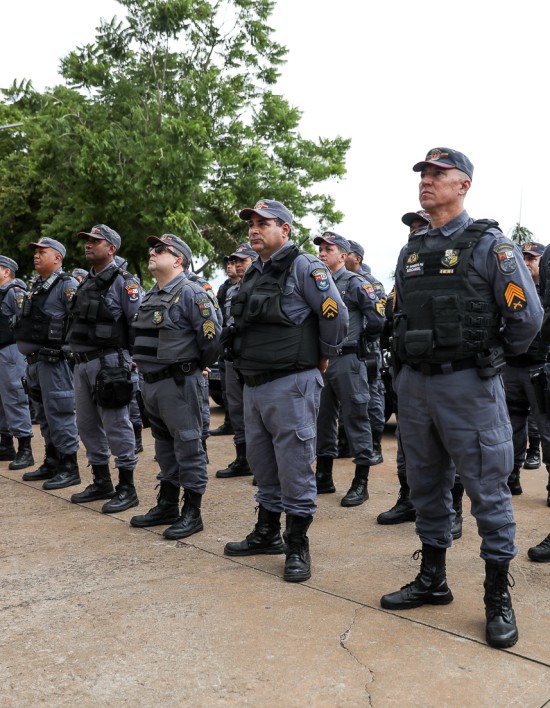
(83, 357)
(266, 377)
(182, 367)
(447, 367)
(349, 350)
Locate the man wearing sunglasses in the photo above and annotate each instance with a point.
(104, 305)
(176, 336)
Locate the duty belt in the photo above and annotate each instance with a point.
(45, 354)
(349, 350)
(259, 379)
(447, 367)
(182, 367)
(83, 357)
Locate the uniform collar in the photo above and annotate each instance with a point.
(459, 223)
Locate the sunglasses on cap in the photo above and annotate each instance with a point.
(161, 248)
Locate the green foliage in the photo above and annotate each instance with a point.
(521, 234)
(167, 122)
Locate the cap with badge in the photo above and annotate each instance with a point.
(6, 262)
(334, 239)
(174, 242)
(269, 209)
(243, 250)
(101, 231)
(411, 216)
(533, 248)
(447, 159)
(355, 247)
(49, 243)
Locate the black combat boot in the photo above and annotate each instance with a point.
(101, 487)
(190, 521)
(377, 457)
(323, 475)
(501, 630)
(138, 429)
(264, 539)
(514, 484)
(239, 467)
(225, 428)
(47, 469)
(458, 492)
(541, 552)
(298, 560)
(125, 493)
(7, 450)
(428, 588)
(532, 456)
(67, 473)
(166, 511)
(359, 490)
(23, 457)
(403, 510)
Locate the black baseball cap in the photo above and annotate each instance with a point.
(411, 216)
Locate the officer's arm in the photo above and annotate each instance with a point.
(205, 322)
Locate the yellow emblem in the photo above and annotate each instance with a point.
(329, 308)
(381, 308)
(515, 297)
(209, 329)
(157, 317)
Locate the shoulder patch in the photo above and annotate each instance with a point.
(506, 258)
(132, 291)
(205, 306)
(329, 309)
(515, 297)
(381, 308)
(69, 293)
(320, 276)
(371, 292)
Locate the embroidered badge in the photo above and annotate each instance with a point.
(132, 290)
(320, 276)
(506, 258)
(329, 308)
(208, 329)
(381, 308)
(450, 259)
(19, 297)
(412, 258)
(515, 297)
(69, 293)
(367, 287)
(158, 317)
(203, 304)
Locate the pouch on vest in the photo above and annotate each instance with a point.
(446, 316)
(113, 386)
(419, 342)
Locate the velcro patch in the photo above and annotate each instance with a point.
(132, 291)
(204, 305)
(329, 308)
(209, 329)
(515, 297)
(506, 258)
(320, 276)
(367, 287)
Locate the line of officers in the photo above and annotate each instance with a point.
(301, 336)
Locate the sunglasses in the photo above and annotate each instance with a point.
(161, 248)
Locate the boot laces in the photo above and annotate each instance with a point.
(498, 598)
(544, 544)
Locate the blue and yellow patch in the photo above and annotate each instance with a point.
(132, 290)
(320, 276)
(329, 309)
(205, 306)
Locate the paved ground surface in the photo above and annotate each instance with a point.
(96, 613)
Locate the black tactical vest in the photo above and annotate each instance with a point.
(264, 338)
(92, 323)
(34, 325)
(442, 317)
(6, 332)
(356, 317)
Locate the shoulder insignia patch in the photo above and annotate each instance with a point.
(69, 293)
(19, 297)
(204, 305)
(132, 290)
(515, 297)
(506, 258)
(320, 276)
(381, 308)
(371, 292)
(329, 309)
(208, 329)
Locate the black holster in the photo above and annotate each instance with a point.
(113, 386)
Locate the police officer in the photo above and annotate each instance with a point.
(346, 379)
(102, 309)
(520, 393)
(79, 274)
(463, 297)
(289, 318)
(177, 336)
(243, 257)
(40, 336)
(15, 414)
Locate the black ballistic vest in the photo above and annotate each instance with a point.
(6, 332)
(34, 325)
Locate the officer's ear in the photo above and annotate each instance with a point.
(286, 230)
(464, 186)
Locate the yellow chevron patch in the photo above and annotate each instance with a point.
(329, 308)
(515, 297)
(381, 308)
(209, 329)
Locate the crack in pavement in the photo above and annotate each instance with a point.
(343, 639)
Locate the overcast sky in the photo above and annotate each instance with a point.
(398, 78)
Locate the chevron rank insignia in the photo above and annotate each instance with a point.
(515, 297)
(208, 329)
(329, 308)
(381, 308)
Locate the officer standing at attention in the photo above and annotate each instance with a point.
(346, 379)
(102, 309)
(177, 336)
(15, 414)
(289, 319)
(463, 299)
(40, 336)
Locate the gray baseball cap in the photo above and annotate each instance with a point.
(174, 242)
(334, 239)
(49, 243)
(6, 262)
(269, 209)
(101, 231)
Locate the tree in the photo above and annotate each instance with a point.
(521, 234)
(167, 122)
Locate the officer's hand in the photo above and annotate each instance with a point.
(323, 364)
